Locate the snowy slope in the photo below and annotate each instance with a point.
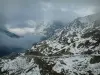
(73, 50)
(80, 36)
(67, 65)
(20, 66)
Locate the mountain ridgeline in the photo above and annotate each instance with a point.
(5, 50)
(9, 33)
(72, 50)
(79, 37)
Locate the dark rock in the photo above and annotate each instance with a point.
(95, 59)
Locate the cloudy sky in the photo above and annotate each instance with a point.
(25, 17)
(18, 13)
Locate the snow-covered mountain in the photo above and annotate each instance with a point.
(72, 50)
(80, 36)
(40, 30)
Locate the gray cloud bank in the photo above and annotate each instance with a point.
(8, 44)
(18, 11)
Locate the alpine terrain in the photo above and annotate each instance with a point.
(72, 50)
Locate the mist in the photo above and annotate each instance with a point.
(7, 43)
(14, 15)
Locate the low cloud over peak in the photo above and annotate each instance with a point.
(25, 17)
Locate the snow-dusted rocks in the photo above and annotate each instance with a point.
(81, 36)
(72, 50)
(20, 66)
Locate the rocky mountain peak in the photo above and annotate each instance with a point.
(73, 50)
